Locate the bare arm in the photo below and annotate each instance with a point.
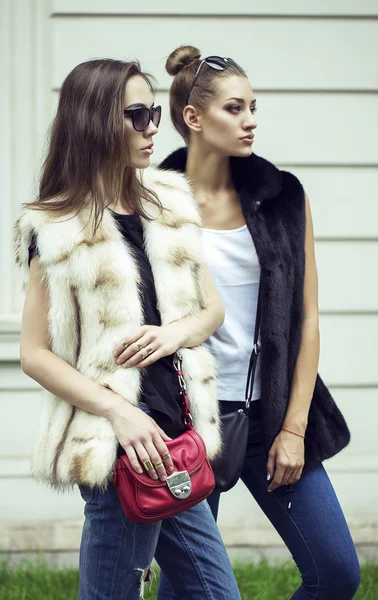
(286, 456)
(165, 340)
(137, 433)
(198, 328)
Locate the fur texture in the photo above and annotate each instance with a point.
(95, 303)
(273, 204)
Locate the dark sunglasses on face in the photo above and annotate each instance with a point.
(218, 63)
(142, 116)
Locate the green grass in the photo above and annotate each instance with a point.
(256, 582)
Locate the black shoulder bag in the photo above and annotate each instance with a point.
(234, 425)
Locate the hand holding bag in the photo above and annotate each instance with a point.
(143, 499)
(228, 466)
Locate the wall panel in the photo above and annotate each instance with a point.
(19, 424)
(348, 350)
(360, 409)
(335, 65)
(244, 7)
(347, 276)
(343, 200)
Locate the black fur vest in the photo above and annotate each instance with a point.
(273, 204)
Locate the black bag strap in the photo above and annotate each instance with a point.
(254, 356)
(187, 417)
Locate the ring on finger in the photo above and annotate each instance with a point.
(166, 456)
(158, 464)
(149, 350)
(143, 353)
(148, 465)
(139, 346)
(124, 344)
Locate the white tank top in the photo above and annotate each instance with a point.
(233, 264)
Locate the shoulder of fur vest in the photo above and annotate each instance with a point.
(29, 222)
(32, 220)
(175, 194)
(158, 179)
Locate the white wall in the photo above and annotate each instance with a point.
(314, 69)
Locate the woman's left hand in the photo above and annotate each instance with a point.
(286, 460)
(148, 344)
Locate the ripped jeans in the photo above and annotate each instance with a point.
(115, 552)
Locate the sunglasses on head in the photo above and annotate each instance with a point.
(218, 63)
(142, 116)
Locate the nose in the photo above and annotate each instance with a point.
(250, 122)
(151, 130)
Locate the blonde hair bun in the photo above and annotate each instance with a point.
(180, 58)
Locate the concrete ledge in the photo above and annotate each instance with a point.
(64, 536)
(244, 554)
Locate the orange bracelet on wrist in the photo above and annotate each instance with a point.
(293, 432)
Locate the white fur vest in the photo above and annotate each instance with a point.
(95, 303)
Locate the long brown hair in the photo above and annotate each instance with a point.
(88, 147)
(182, 64)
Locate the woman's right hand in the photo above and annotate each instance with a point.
(142, 439)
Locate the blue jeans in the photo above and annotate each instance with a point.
(115, 552)
(314, 529)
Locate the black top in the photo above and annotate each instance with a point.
(160, 387)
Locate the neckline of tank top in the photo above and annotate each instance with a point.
(237, 230)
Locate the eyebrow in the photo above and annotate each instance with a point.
(240, 100)
(138, 105)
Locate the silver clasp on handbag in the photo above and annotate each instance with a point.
(180, 485)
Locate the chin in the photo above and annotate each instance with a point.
(141, 163)
(243, 152)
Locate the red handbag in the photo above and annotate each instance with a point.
(144, 499)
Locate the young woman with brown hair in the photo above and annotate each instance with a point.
(116, 286)
(258, 234)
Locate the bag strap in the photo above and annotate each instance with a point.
(254, 355)
(187, 417)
